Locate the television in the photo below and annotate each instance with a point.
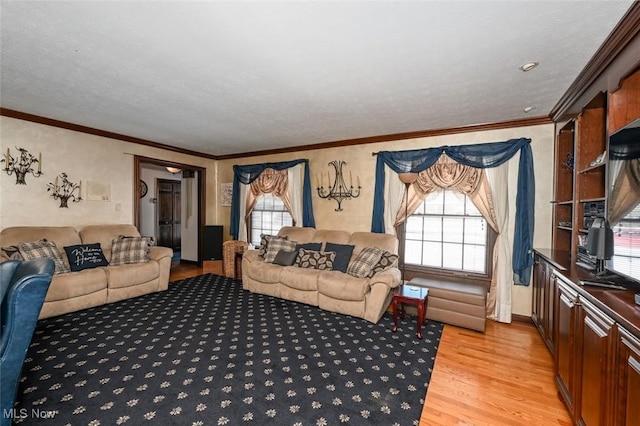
(623, 201)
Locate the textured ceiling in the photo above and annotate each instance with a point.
(232, 77)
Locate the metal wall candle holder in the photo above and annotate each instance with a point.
(65, 190)
(338, 190)
(22, 165)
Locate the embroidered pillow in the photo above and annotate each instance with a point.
(322, 260)
(44, 248)
(387, 260)
(343, 255)
(264, 243)
(285, 258)
(362, 266)
(12, 253)
(85, 256)
(277, 244)
(125, 250)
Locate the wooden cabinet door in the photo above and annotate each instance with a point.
(565, 332)
(627, 394)
(550, 290)
(542, 312)
(537, 308)
(596, 366)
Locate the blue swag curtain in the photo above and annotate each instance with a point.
(249, 173)
(481, 156)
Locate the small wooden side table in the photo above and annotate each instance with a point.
(410, 295)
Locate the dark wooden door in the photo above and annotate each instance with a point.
(626, 408)
(169, 214)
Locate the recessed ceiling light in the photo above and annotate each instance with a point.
(529, 109)
(528, 66)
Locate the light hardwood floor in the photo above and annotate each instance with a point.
(503, 376)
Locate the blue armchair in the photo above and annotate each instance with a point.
(23, 287)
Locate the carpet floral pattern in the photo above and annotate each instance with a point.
(207, 352)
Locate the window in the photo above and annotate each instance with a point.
(448, 233)
(267, 217)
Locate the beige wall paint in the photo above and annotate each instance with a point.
(89, 157)
(83, 157)
(356, 214)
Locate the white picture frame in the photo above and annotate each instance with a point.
(226, 193)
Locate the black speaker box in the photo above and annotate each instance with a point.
(213, 242)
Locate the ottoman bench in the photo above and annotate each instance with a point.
(455, 301)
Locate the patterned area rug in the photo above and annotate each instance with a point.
(206, 352)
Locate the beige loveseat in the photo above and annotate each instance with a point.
(74, 291)
(334, 291)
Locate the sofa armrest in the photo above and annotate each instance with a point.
(251, 256)
(391, 277)
(156, 253)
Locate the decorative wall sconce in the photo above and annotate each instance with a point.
(338, 190)
(22, 165)
(65, 190)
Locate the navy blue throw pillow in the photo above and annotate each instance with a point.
(308, 246)
(85, 256)
(343, 255)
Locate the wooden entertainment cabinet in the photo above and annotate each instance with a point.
(592, 333)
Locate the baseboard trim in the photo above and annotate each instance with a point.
(521, 319)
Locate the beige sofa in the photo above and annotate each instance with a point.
(74, 291)
(334, 291)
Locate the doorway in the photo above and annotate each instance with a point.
(191, 221)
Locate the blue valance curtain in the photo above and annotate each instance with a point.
(481, 156)
(247, 174)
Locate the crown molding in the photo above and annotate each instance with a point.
(97, 132)
(396, 137)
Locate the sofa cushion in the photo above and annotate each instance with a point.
(75, 284)
(277, 244)
(60, 235)
(338, 285)
(300, 278)
(365, 262)
(132, 274)
(126, 250)
(105, 234)
(315, 259)
(343, 255)
(387, 260)
(285, 258)
(267, 273)
(44, 249)
(297, 233)
(336, 237)
(85, 256)
(361, 240)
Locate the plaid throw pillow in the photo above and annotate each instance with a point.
(44, 248)
(322, 260)
(362, 266)
(387, 260)
(126, 250)
(264, 243)
(275, 245)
